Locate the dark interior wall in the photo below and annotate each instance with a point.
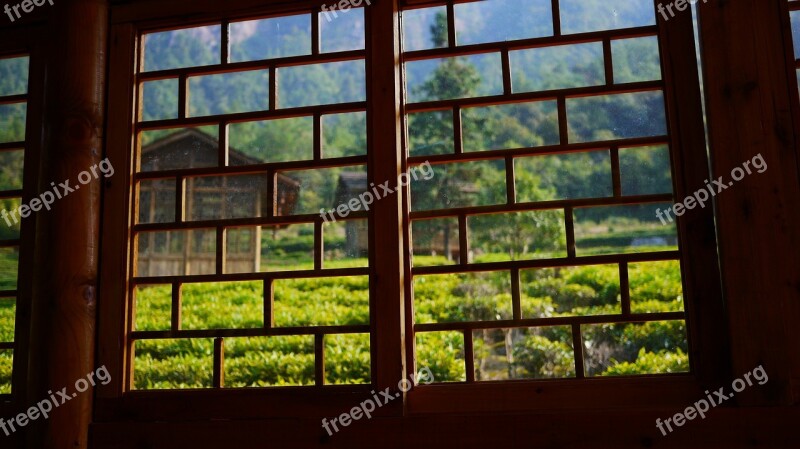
(752, 107)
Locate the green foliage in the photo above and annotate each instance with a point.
(650, 362)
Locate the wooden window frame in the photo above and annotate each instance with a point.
(391, 324)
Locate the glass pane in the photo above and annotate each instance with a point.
(570, 291)
(178, 148)
(229, 93)
(636, 59)
(795, 17)
(558, 67)
(344, 134)
(645, 170)
(160, 99)
(6, 368)
(282, 140)
(8, 313)
(11, 219)
(173, 364)
(656, 287)
(157, 201)
(189, 47)
(502, 20)
(509, 126)
(326, 188)
(270, 248)
(319, 84)
(460, 184)
(617, 116)
(270, 38)
(222, 305)
(269, 361)
(14, 76)
(454, 77)
(153, 308)
(342, 29)
(12, 122)
(336, 301)
(623, 229)
(443, 354)
(9, 262)
(656, 347)
(435, 242)
(226, 197)
(347, 359)
(563, 176)
(517, 236)
(425, 28)
(346, 244)
(580, 16)
(523, 353)
(11, 168)
(431, 133)
(177, 253)
(442, 298)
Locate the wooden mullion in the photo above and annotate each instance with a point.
(12, 146)
(318, 136)
(577, 346)
(556, 321)
(458, 131)
(569, 220)
(616, 176)
(250, 332)
(319, 244)
(556, 11)
(180, 199)
(219, 362)
(319, 359)
(451, 26)
(272, 191)
(315, 33)
(463, 240)
(511, 185)
(269, 304)
(563, 129)
(469, 355)
(624, 289)
(183, 96)
(273, 88)
(507, 83)
(13, 99)
(225, 43)
(608, 62)
(516, 301)
(175, 316)
(223, 150)
(222, 250)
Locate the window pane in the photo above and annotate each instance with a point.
(153, 305)
(6, 367)
(226, 197)
(160, 99)
(341, 30)
(173, 364)
(431, 133)
(460, 184)
(645, 170)
(579, 16)
(281, 140)
(795, 17)
(229, 93)
(425, 28)
(269, 361)
(270, 38)
(509, 126)
(157, 201)
(14, 73)
(177, 253)
(443, 354)
(656, 287)
(325, 188)
(523, 353)
(454, 77)
(12, 122)
(177, 148)
(517, 236)
(9, 262)
(502, 20)
(563, 176)
(435, 242)
(319, 84)
(616, 116)
(656, 347)
(222, 305)
(623, 229)
(462, 297)
(347, 359)
(336, 301)
(8, 312)
(189, 47)
(344, 134)
(11, 222)
(270, 248)
(570, 291)
(11, 168)
(559, 67)
(636, 59)
(346, 244)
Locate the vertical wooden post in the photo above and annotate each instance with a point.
(67, 237)
(749, 107)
